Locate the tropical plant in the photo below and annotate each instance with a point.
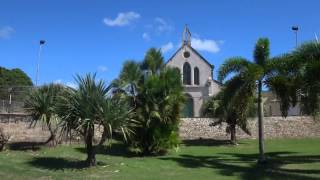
(82, 109)
(295, 77)
(253, 75)
(157, 102)
(41, 103)
(117, 116)
(233, 104)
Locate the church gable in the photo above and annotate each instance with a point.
(195, 69)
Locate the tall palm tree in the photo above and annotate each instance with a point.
(41, 103)
(82, 109)
(253, 74)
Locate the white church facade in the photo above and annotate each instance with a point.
(196, 74)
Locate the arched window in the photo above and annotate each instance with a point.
(186, 74)
(196, 76)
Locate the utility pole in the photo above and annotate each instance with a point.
(295, 30)
(38, 63)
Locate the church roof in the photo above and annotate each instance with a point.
(196, 52)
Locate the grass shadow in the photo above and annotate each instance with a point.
(25, 145)
(117, 149)
(245, 165)
(207, 142)
(55, 163)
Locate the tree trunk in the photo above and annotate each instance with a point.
(260, 124)
(233, 134)
(91, 156)
(103, 136)
(52, 140)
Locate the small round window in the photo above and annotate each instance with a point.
(186, 54)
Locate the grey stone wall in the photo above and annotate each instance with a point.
(192, 128)
(275, 127)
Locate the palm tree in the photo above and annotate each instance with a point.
(41, 103)
(82, 109)
(231, 105)
(295, 76)
(117, 113)
(156, 103)
(153, 60)
(253, 74)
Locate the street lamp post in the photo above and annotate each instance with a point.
(295, 30)
(38, 63)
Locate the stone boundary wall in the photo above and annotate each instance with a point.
(191, 128)
(20, 131)
(274, 127)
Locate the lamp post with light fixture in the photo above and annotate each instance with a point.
(295, 30)
(38, 63)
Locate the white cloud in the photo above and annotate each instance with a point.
(123, 19)
(58, 81)
(102, 68)
(5, 32)
(146, 36)
(206, 45)
(167, 47)
(162, 25)
(72, 85)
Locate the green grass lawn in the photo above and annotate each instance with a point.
(208, 159)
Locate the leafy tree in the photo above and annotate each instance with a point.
(14, 77)
(253, 74)
(41, 103)
(15, 81)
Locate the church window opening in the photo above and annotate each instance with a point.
(196, 76)
(186, 74)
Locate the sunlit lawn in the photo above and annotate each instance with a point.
(207, 159)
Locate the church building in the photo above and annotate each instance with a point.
(196, 75)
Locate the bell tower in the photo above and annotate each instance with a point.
(186, 36)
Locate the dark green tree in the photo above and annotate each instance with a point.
(14, 81)
(233, 105)
(295, 77)
(157, 102)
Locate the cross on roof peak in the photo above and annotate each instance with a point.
(186, 36)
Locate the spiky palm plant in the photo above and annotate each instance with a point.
(117, 116)
(83, 108)
(41, 103)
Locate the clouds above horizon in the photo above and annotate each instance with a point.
(167, 47)
(146, 36)
(102, 68)
(162, 25)
(208, 45)
(6, 32)
(123, 19)
(69, 83)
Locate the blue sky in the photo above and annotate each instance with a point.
(99, 35)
